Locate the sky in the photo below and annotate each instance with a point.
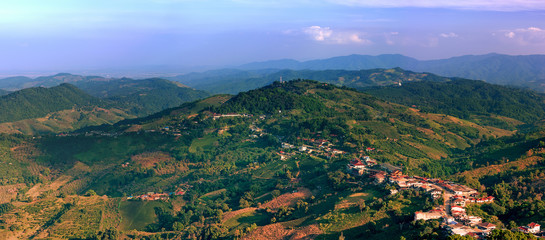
(72, 35)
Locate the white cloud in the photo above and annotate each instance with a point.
(318, 33)
(510, 34)
(327, 35)
(490, 5)
(526, 36)
(449, 35)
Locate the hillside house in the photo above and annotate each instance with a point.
(432, 214)
(369, 161)
(287, 145)
(486, 227)
(532, 228)
(378, 177)
(474, 220)
(356, 163)
(462, 230)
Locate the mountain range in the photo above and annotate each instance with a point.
(523, 71)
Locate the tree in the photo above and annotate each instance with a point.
(90, 193)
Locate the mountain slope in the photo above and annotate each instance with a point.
(38, 102)
(142, 97)
(464, 98)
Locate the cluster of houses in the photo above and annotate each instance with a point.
(455, 221)
(152, 196)
(313, 147)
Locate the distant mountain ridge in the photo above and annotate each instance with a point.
(523, 70)
(235, 81)
(21, 82)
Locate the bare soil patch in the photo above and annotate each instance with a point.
(288, 199)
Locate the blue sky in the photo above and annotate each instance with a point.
(67, 35)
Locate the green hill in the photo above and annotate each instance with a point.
(468, 99)
(142, 97)
(38, 102)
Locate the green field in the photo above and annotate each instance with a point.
(137, 215)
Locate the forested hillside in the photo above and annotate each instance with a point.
(467, 99)
(38, 102)
(142, 97)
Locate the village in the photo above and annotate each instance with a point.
(455, 197)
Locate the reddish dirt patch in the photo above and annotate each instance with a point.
(278, 231)
(494, 169)
(149, 159)
(233, 214)
(9, 192)
(288, 199)
(134, 128)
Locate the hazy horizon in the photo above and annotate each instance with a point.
(65, 36)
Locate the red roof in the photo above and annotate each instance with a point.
(357, 163)
(533, 225)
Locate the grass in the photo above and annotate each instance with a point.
(204, 143)
(137, 215)
(213, 195)
(81, 220)
(246, 219)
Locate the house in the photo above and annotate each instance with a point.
(287, 145)
(459, 202)
(356, 163)
(531, 228)
(432, 214)
(457, 208)
(397, 173)
(474, 220)
(486, 226)
(370, 161)
(379, 177)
